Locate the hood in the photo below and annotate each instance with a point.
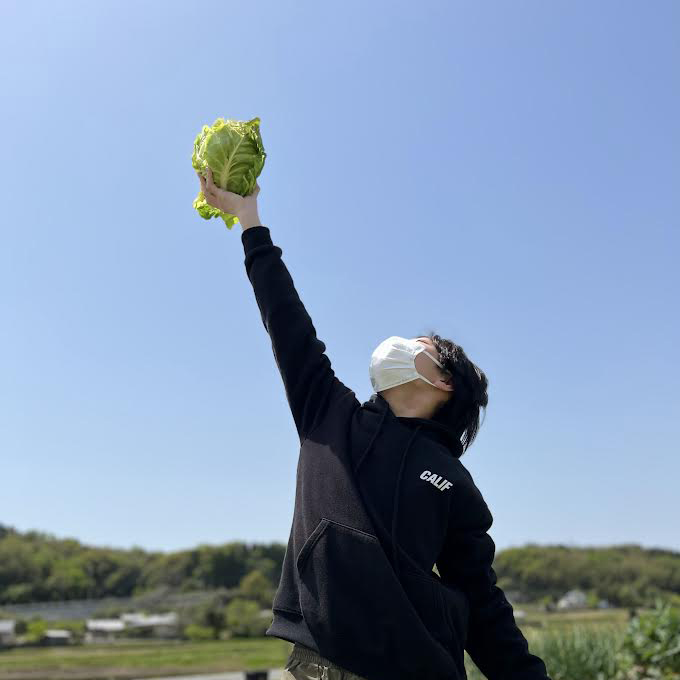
(431, 428)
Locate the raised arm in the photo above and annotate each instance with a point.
(494, 642)
(308, 378)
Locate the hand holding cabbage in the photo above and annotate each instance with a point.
(228, 158)
(244, 208)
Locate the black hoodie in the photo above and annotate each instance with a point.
(379, 500)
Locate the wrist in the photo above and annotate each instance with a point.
(249, 220)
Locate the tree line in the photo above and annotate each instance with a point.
(38, 567)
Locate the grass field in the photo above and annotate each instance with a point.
(135, 659)
(141, 659)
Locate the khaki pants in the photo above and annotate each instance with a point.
(306, 664)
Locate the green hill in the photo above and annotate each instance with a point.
(38, 567)
(625, 575)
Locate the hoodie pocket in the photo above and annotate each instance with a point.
(349, 596)
(310, 543)
(423, 591)
(359, 612)
(344, 595)
(456, 608)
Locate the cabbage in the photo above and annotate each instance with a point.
(234, 152)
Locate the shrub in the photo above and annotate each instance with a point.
(651, 645)
(195, 632)
(35, 630)
(580, 653)
(244, 618)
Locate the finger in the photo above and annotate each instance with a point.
(207, 194)
(205, 188)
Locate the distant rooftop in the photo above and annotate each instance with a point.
(135, 619)
(106, 625)
(7, 625)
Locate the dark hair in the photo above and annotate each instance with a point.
(461, 411)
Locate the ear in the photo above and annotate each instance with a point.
(446, 384)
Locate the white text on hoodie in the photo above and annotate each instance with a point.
(438, 481)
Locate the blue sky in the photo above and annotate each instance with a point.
(504, 173)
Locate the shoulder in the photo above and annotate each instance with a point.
(468, 507)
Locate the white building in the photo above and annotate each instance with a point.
(154, 625)
(57, 636)
(7, 636)
(573, 599)
(102, 630)
(158, 625)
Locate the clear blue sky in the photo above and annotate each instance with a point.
(504, 173)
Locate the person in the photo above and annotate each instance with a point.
(381, 499)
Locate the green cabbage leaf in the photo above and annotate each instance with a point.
(233, 150)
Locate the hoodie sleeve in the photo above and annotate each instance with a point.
(308, 378)
(494, 642)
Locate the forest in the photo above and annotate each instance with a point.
(37, 566)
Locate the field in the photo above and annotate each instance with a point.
(136, 659)
(141, 659)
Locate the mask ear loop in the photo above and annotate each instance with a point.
(436, 361)
(424, 349)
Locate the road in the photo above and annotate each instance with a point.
(273, 674)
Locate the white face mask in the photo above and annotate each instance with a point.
(393, 362)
